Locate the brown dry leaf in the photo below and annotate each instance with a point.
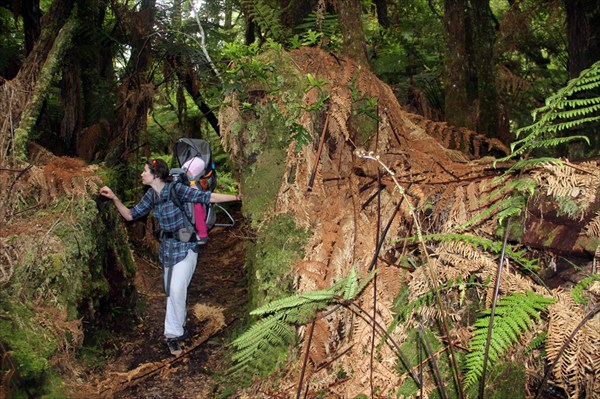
(578, 369)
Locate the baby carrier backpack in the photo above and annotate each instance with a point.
(196, 169)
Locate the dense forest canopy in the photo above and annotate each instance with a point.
(478, 114)
(480, 65)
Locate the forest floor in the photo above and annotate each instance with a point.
(141, 366)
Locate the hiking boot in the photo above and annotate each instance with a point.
(185, 338)
(174, 347)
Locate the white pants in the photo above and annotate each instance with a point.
(181, 275)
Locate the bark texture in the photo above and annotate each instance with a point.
(455, 64)
(353, 34)
(25, 93)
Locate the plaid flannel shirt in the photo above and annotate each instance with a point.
(170, 218)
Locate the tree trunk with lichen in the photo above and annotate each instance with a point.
(22, 97)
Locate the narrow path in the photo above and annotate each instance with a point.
(142, 368)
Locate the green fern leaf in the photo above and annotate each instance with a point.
(514, 315)
(274, 329)
(295, 301)
(351, 285)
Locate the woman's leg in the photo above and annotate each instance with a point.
(176, 301)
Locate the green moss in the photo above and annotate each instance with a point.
(504, 380)
(279, 244)
(63, 269)
(262, 180)
(29, 344)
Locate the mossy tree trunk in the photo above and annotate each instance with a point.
(21, 98)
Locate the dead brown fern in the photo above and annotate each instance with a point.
(459, 138)
(7, 257)
(592, 229)
(576, 183)
(577, 371)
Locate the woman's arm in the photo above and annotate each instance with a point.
(123, 210)
(187, 194)
(218, 197)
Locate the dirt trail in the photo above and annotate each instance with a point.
(142, 368)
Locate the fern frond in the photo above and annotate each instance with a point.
(523, 164)
(267, 15)
(516, 256)
(351, 285)
(581, 286)
(327, 24)
(295, 301)
(363, 284)
(255, 343)
(562, 112)
(502, 205)
(514, 315)
(274, 329)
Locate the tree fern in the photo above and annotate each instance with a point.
(514, 315)
(275, 328)
(560, 113)
(267, 15)
(325, 23)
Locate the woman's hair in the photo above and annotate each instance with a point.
(159, 169)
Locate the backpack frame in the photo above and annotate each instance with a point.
(184, 149)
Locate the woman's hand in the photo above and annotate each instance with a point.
(107, 192)
(123, 210)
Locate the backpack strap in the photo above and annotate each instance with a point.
(173, 197)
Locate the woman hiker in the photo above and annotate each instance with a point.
(177, 257)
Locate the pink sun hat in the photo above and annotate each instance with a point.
(194, 166)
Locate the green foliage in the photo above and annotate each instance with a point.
(278, 245)
(562, 112)
(515, 314)
(29, 345)
(323, 96)
(415, 351)
(318, 29)
(310, 38)
(578, 291)
(275, 328)
(300, 135)
(267, 15)
(57, 278)
(537, 342)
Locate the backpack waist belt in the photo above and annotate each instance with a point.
(169, 234)
(175, 235)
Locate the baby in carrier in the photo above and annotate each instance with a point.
(194, 168)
